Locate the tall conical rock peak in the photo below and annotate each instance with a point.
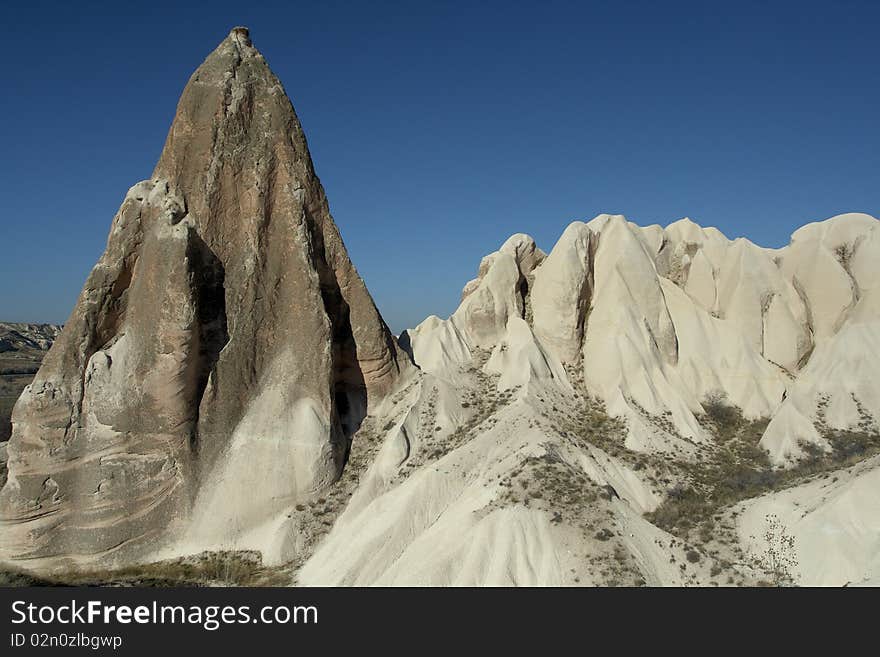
(223, 337)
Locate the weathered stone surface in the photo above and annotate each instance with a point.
(662, 319)
(562, 290)
(224, 300)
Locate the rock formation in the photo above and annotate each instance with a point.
(631, 408)
(27, 338)
(221, 354)
(607, 421)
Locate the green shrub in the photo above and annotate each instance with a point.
(726, 417)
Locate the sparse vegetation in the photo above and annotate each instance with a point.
(221, 568)
(12, 577)
(736, 468)
(481, 403)
(725, 417)
(844, 253)
(779, 559)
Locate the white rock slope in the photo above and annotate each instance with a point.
(571, 395)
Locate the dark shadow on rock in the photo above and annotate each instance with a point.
(208, 276)
(349, 385)
(405, 342)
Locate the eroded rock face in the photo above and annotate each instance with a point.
(482, 463)
(223, 312)
(661, 319)
(562, 292)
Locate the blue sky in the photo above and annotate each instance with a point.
(438, 129)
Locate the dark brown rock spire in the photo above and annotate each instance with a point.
(223, 333)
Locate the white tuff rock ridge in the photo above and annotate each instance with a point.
(571, 395)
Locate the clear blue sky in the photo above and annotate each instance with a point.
(438, 129)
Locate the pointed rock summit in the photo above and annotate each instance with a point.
(221, 354)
